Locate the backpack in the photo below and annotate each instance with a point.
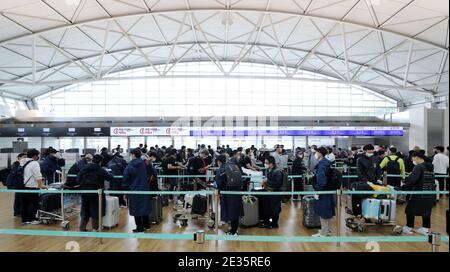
(117, 166)
(393, 167)
(334, 180)
(429, 184)
(89, 180)
(15, 179)
(151, 179)
(234, 175)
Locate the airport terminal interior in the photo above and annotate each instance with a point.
(224, 125)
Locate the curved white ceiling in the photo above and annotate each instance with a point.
(395, 47)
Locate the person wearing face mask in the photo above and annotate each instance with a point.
(298, 169)
(271, 204)
(312, 161)
(368, 169)
(33, 180)
(325, 205)
(152, 174)
(170, 167)
(51, 166)
(135, 179)
(420, 179)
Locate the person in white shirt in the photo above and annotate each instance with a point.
(330, 156)
(440, 163)
(33, 181)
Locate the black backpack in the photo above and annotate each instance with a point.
(393, 167)
(15, 179)
(334, 180)
(428, 185)
(234, 175)
(90, 180)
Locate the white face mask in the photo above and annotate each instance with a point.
(369, 155)
(266, 165)
(317, 156)
(415, 163)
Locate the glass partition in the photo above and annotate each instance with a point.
(122, 141)
(51, 141)
(71, 142)
(136, 141)
(97, 142)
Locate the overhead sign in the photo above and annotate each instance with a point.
(266, 131)
(149, 131)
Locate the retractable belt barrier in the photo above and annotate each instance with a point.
(434, 239)
(212, 237)
(291, 176)
(211, 192)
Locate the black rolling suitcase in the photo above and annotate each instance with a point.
(199, 205)
(50, 202)
(156, 216)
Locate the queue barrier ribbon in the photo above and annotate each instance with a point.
(210, 237)
(211, 192)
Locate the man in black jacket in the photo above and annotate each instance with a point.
(92, 177)
(368, 169)
(106, 156)
(271, 204)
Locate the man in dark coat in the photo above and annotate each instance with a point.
(298, 169)
(135, 179)
(420, 179)
(230, 205)
(92, 177)
(368, 168)
(271, 204)
(75, 169)
(325, 205)
(51, 166)
(106, 156)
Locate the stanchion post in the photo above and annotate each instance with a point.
(435, 240)
(100, 213)
(216, 217)
(339, 213)
(199, 237)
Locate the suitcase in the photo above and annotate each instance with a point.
(251, 211)
(49, 202)
(112, 210)
(156, 216)
(388, 209)
(165, 200)
(199, 205)
(371, 208)
(310, 219)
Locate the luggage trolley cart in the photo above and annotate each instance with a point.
(184, 213)
(375, 212)
(58, 207)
